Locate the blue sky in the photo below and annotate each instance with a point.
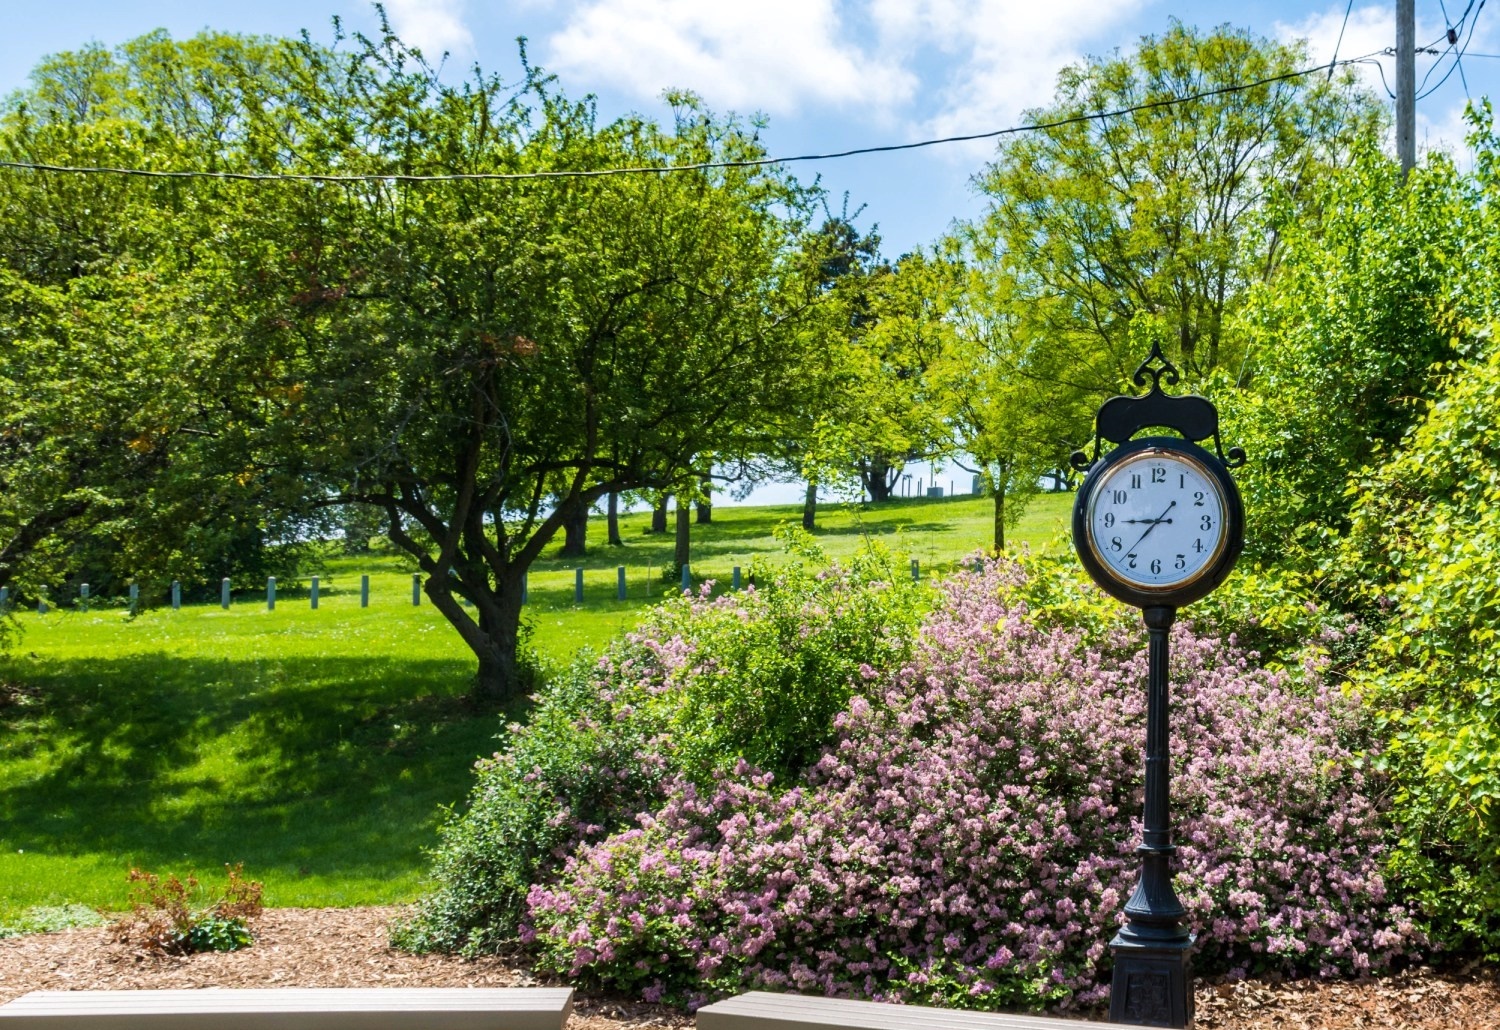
(828, 75)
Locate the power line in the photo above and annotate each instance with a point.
(1458, 52)
(1332, 63)
(662, 169)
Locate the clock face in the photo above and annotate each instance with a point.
(1157, 520)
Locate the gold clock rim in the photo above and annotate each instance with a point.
(1203, 569)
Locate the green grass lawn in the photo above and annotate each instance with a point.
(319, 747)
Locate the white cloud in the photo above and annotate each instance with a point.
(917, 67)
(432, 26)
(1005, 55)
(777, 56)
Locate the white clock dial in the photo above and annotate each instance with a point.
(1157, 519)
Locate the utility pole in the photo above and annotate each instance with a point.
(1406, 85)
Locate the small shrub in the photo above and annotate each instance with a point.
(176, 916)
(757, 675)
(968, 839)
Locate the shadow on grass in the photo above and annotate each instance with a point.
(295, 767)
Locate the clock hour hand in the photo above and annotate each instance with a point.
(1144, 521)
(1154, 523)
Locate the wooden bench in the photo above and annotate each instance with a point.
(760, 1010)
(294, 1008)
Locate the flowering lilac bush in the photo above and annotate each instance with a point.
(968, 837)
(702, 684)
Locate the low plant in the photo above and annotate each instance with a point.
(49, 919)
(968, 837)
(177, 916)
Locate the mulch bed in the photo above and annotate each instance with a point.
(347, 948)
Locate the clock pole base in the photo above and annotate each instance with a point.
(1153, 984)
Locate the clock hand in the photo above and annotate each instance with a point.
(1144, 521)
(1154, 523)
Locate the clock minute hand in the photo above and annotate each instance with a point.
(1144, 521)
(1154, 523)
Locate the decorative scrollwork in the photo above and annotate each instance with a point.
(1167, 370)
(1192, 417)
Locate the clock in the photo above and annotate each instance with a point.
(1158, 522)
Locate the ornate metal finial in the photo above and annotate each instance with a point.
(1192, 417)
(1167, 370)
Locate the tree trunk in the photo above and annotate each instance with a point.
(614, 521)
(575, 530)
(999, 514)
(492, 629)
(684, 531)
(810, 506)
(659, 516)
(705, 512)
(879, 478)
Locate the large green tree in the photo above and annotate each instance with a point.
(472, 358)
(101, 414)
(1103, 217)
(475, 358)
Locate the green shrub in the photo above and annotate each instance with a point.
(704, 683)
(1424, 550)
(1342, 343)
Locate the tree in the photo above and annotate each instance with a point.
(480, 359)
(1159, 212)
(997, 388)
(1372, 296)
(104, 378)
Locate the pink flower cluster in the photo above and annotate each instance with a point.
(968, 838)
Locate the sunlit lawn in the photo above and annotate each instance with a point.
(319, 747)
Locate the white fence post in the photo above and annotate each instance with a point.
(270, 593)
(312, 595)
(364, 591)
(176, 595)
(224, 593)
(620, 583)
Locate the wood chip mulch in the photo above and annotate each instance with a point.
(347, 948)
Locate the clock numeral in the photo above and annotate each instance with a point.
(1158, 474)
(1109, 520)
(1117, 497)
(1198, 546)
(1155, 566)
(1208, 522)
(1181, 562)
(1197, 498)
(1130, 561)
(1182, 480)
(1114, 542)
(1135, 481)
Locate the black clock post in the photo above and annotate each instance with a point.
(1158, 524)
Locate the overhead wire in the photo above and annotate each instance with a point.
(1333, 62)
(582, 173)
(1458, 51)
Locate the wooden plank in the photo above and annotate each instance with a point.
(761, 1010)
(294, 1008)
